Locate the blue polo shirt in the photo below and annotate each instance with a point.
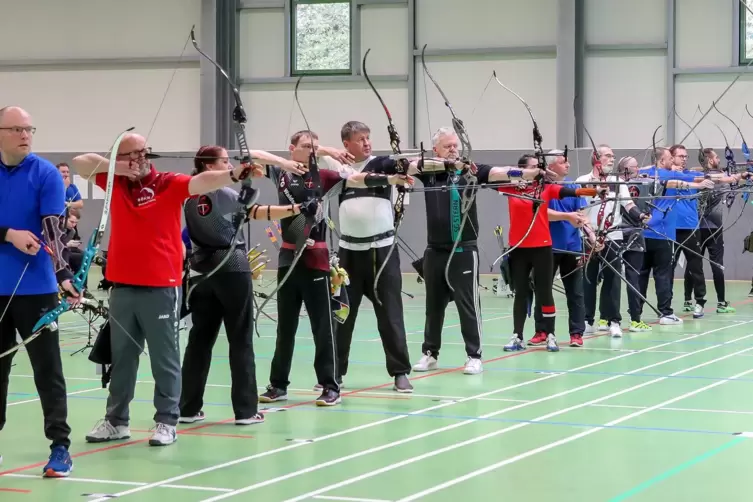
(565, 237)
(665, 223)
(687, 209)
(28, 192)
(72, 193)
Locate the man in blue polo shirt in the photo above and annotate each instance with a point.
(567, 245)
(32, 264)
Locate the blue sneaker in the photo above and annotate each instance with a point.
(60, 464)
(515, 344)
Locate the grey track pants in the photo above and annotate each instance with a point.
(139, 314)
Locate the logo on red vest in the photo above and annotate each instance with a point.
(204, 207)
(634, 191)
(309, 183)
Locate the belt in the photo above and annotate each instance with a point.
(315, 245)
(366, 240)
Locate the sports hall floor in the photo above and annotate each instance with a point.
(651, 417)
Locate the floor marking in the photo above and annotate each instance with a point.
(208, 434)
(675, 470)
(349, 499)
(568, 439)
(14, 403)
(474, 440)
(14, 490)
(126, 483)
(446, 428)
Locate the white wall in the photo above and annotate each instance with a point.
(80, 108)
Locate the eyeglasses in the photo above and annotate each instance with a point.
(136, 155)
(19, 130)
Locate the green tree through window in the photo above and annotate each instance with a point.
(321, 37)
(746, 32)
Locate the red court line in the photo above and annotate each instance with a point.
(190, 433)
(305, 393)
(14, 490)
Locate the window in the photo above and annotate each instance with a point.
(320, 37)
(746, 32)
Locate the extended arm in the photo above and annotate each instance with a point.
(269, 212)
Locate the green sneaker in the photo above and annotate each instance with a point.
(724, 308)
(638, 326)
(603, 325)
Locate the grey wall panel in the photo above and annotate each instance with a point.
(492, 212)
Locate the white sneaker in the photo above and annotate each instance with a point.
(698, 311)
(615, 330)
(256, 419)
(426, 363)
(104, 431)
(669, 320)
(590, 329)
(473, 366)
(163, 435)
(190, 420)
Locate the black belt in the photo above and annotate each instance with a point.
(367, 240)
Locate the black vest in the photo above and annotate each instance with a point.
(295, 190)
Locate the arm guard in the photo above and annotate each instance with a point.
(376, 180)
(635, 213)
(52, 230)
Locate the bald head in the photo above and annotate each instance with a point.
(133, 149)
(16, 133)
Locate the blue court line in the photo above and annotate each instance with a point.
(460, 417)
(675, 470)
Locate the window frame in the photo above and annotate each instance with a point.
(294, 71)
(743, 13)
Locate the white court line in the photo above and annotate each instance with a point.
(471, 421)
(349, 499)
(14, 403)
(566, 440)
(127, 483)
(401, 417)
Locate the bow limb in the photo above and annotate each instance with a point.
(248, 195)
(469, 194)
(399, 207)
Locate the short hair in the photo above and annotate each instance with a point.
(295, 138)
(62, 164)
(523, 160)
(442, 131)
(553, 154)
(72, 211)
(673, 149)
(351, 128)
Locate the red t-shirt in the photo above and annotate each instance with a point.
(145, 247)
(521, 212)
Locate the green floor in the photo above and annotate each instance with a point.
(649, 417)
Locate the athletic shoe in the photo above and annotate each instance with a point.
(515, 344)
(256, 419)
(273, 395)
(190, 420)
(426, 363)
(724, 308)
(639, 326)
(551, 343)
(163, 435)
(750, 294)
(328, 398)
(670, 319)
(697, 311)
(603, 325)
(60, 464)
(576, 340)
(590, 328)
(538, 339)
(615, 330)
(473, 366)
(104, 431)
(402, 384)
(687, 306)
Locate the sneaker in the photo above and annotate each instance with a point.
(402, 384)
(104, 431)
(687, 306)
(750, 294)
(273, 395)
(669, 320)
(515, 344)
(328, 398)
(190, 420)
(697, 311)
(163, 435)
(590, 328)
(576, 340)
(639, 326)
(551, 343)
(473, 366)
(60, 464)
(538, 339)
(724, 308)
(319, 387)
(255, 419)
(615, 330)
(426, 363)
(603, 325)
